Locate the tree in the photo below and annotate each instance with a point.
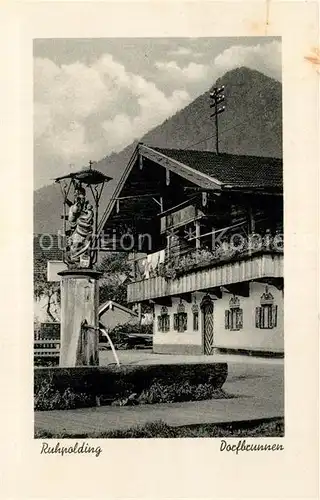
(42, 288)
(117, 272)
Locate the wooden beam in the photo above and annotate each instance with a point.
(163, 301)
(214, 291)
(185, 296)
(194, 176)
(276, 282)
(241, 289)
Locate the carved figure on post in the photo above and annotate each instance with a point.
(80, 218)
(79, 283)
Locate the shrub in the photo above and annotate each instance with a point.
(150, 383)
(179, 392)
(49, 398)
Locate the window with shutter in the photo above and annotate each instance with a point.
(164, 320)
(266, 316)
(233, 319)
(182, 322)
(234, 316)
(180, 318)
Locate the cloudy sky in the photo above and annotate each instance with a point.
(93, 97)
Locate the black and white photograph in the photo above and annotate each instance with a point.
(158, 248)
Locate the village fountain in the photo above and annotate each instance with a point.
(80, 327)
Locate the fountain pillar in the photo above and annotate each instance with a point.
(79, 318)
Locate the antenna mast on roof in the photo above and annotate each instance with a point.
(217, 99)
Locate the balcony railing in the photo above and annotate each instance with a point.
(202, 269)
(233, 248)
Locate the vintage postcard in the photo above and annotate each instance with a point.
(169, 300)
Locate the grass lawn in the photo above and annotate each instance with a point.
(270, 428)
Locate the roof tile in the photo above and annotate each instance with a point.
(235, 170)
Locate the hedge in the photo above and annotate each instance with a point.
(112, 383)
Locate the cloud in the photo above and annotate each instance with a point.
(184, 51)
(265, 58)
(192, 72)
(83, 112)
(180, 51)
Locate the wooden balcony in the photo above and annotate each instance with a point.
(264, 264)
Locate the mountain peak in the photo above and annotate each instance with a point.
(251, 125)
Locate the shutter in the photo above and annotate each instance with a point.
(175, 321)
(227, 319)
(195, 321)
(239, 319)
(269, 316)
(185, 321)
(263, 321)
(274, 316)
(258, 317)
(181, 323)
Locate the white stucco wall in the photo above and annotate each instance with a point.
(249, 337)
(173, 337)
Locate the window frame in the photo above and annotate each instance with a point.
(267, 312)
(164, 320)
(234, 319)
(180, 322)
(267, 316)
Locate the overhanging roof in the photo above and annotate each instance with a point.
(228, 170)
(207, 170)
(110, 304)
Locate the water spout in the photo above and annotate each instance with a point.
(104, 332)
